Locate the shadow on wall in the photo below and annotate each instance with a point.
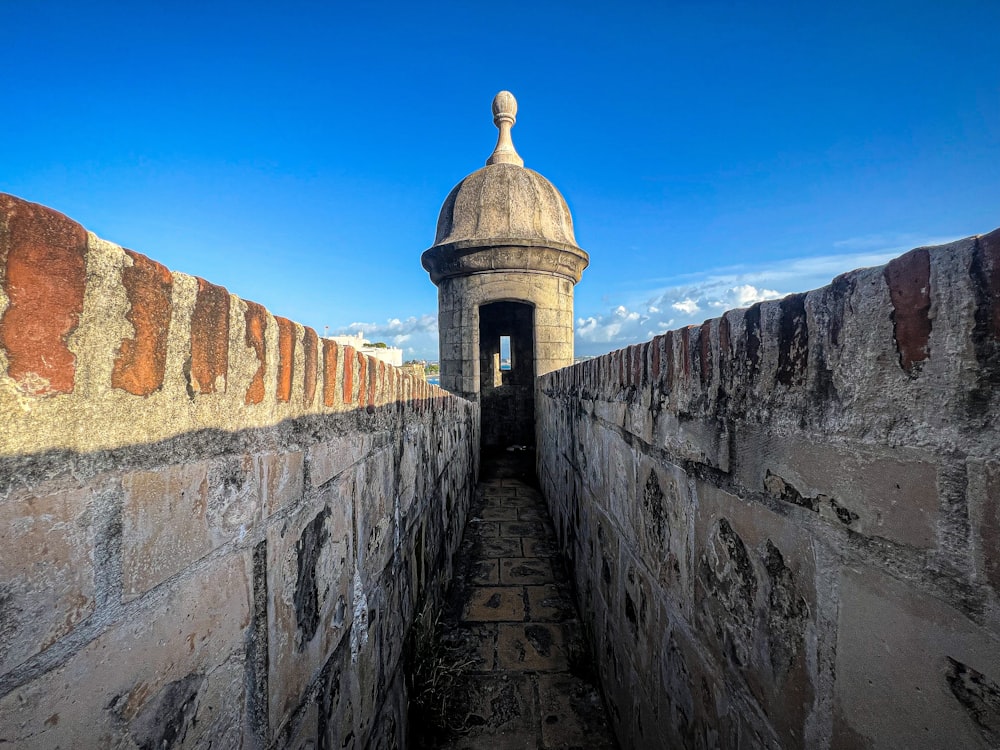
(216, 527)
(785, 522)
(220, 584)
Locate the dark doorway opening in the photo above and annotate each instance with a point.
(507, 374)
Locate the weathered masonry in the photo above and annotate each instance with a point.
(785, 523)
(215, 527)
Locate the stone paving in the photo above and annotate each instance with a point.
(525, 676)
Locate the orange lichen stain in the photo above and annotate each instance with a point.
(286, 358)
(348, 374)
(909, 280)
(142, 359)
(209, 339)
(44, 277)
(255, 318)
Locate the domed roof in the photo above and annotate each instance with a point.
(504, 205)
(505, 201)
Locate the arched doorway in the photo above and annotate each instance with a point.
(507, 373)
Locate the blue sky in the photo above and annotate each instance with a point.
(712, 153)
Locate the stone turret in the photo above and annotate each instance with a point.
(505, 261)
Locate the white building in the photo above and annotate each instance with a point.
(391, 355)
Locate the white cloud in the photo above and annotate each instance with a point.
(687, 306)
(746, 294)
(619, 327)
(709, 294)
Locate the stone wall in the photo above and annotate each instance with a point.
(215, 527)
(785, 523)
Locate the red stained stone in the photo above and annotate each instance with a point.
(372, 380)
(705, 352)
(310, 348)
(348, 374)
(141, 360)
(286, 358)
(256, 322)
(989, 247)
(329, 372)
(657, 348)
(43, 256)
(725, 339)
(908, 278)
(685, 349)
(209, 338)
(793, 340)
(668, 352)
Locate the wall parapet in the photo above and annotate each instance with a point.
(795, 508)
(215, 526)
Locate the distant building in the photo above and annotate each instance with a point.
(391, 355)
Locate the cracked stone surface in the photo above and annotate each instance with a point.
(511, 628)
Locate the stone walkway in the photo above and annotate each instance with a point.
(521, 674)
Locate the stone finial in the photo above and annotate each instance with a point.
(504, 117)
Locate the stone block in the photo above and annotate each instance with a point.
(164, 524)
(494, 604)
(698, 706)
(176, 515)
(550, 603)
(703, 441)
(522, 571)
(911, 671)
(326, 460)
(984, 512)
(755, 603)
(501, 714)
(282, 478)
(47, 558)
(893, 495)
(533, 646)
(621, 479)
(338, 703)
(310, 569)
(174, 674)
(657, 525)
(375, 521)
(638, 620)
(572, 713)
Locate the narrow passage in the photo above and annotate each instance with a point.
(513, 669)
